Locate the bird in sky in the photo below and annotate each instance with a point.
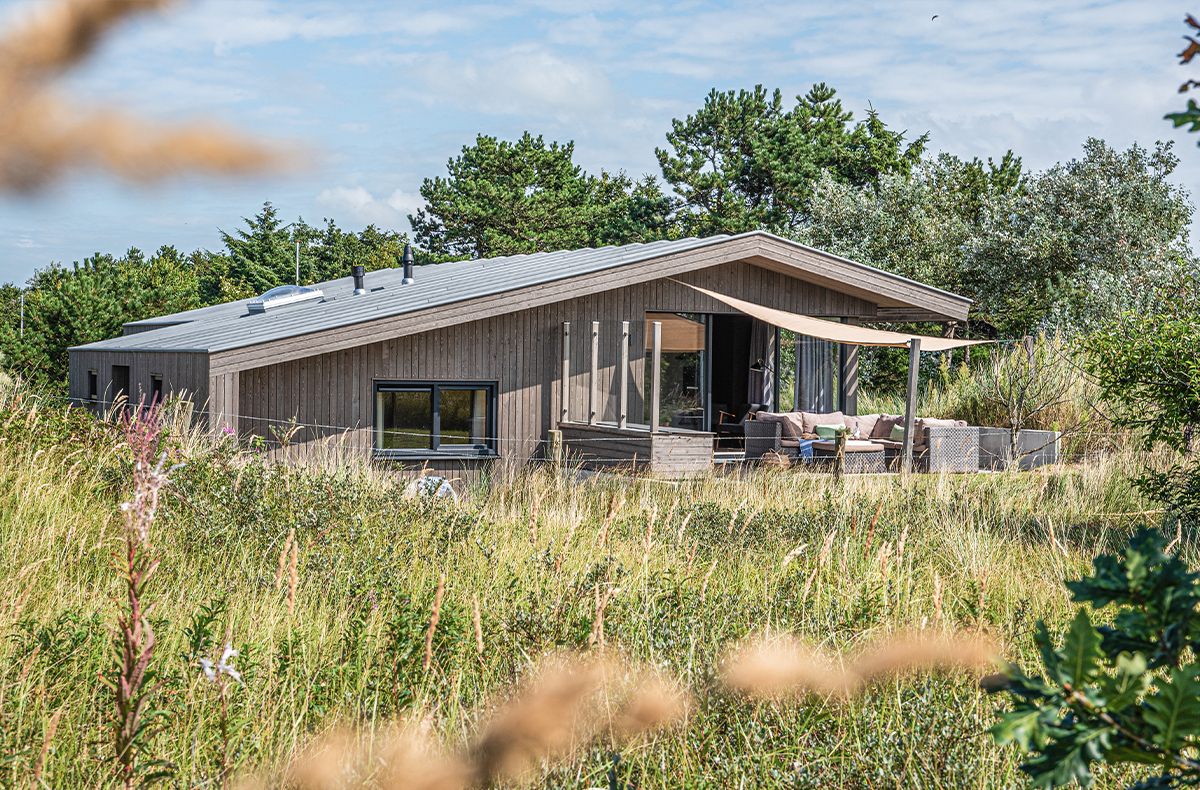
(935, 16)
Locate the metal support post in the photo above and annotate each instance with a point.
(623, 408)
(594, 379)
(655, 375)
(565, 386)
(910, 405)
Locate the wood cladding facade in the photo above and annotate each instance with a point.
(184, 373)
(330, 396)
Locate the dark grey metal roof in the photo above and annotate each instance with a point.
(231, 325)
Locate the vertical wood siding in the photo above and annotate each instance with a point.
(184, 374)
(331, 396)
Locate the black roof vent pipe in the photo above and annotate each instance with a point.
(408, 264)
(358, 272)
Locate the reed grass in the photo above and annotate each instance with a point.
(326, 581)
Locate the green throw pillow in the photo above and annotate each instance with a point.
(897, 433)
(828, 432)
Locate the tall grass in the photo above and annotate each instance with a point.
(967, 392)
(681, 571)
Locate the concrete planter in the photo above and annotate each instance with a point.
(1036, 448)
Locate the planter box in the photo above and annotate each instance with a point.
(1036, 448)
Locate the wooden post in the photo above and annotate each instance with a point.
(839, 461)
(556, 448)
(594, 383)
(623, 408)
(565, 387)
(910, 406)
(655, 375)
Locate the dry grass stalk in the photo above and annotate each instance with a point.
(411, 764)
(683, 526)
(293, 576)
(42, 134)
(602, 539)
(874, 521)
(937, 597)
(707, 576)
(562, 555)
(751, 518)
(283, 558)
(433, 621)
(562, 709)
(551, 717)
(732, 521)
(533, 520)
(825, 548)
(793, 554)
(656, 703)
(1178, 537)
(51, 728)
(900, 547)
(597, 635)
(478, 625)
(786, 667)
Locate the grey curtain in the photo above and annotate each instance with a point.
(761, 386)
(816, 374)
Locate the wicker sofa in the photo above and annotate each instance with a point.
(938, 445)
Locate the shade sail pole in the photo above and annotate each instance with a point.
(623, 408)
(655, 375)
(910, 405)
(565, 386)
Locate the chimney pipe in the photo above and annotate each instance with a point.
(358, 272)
(408, 264)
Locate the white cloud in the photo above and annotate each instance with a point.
(525, 80)
(27, 243)
(358, 205)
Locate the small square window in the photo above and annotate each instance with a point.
(156, 389)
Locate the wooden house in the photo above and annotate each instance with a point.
(465, 363)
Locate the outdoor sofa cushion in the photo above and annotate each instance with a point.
(811, 419)
(829, 431)
(924, 422)
(883, 425)
(789, 419)
(863, 423)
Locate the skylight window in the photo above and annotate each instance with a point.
(281, 295)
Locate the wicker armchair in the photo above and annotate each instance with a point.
(762, 437)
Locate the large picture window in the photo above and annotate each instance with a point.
(419, 417)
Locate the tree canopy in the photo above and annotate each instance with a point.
(743, 161)
(509, 198)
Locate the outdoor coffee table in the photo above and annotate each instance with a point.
(861, 457)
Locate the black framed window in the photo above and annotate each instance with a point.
(120, 382)
(93, 384)
(156, 389)
(426, 417)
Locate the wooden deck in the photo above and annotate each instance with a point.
(672, 452)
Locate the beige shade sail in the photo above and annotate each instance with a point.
(679, 334)
(837, 332)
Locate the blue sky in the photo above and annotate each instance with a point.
(381, 94)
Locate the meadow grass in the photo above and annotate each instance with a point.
(687, 569)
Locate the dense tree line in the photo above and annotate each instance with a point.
(1069, 246)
